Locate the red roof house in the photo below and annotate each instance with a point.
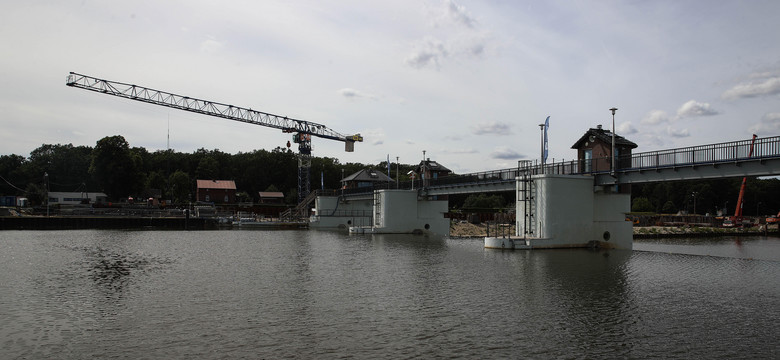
(216, 191)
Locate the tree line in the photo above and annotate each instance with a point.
(114, 167)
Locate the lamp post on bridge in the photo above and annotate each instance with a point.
(396, 171)
(613, 140)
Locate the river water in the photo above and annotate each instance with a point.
(315, 294)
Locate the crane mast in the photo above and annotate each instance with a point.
(302, 130)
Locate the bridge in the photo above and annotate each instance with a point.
(721, 160)
(558, 205)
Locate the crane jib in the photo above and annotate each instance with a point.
(205, 107)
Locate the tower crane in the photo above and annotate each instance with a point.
(302, 130)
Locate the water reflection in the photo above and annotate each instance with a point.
(112, 270)
(308, 294)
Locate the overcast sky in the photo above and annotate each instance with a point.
(467, 81)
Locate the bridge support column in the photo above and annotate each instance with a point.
(403, 211)
(568, 211)
(383, 212)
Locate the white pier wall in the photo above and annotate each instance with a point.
(569, 211)
(332, 214)
(400, 211)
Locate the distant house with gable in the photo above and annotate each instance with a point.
(216, 191)
(365, 178)
(430, 169)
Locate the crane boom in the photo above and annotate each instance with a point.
(186, 103)
(303, 130)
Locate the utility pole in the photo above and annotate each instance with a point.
(46, 180)
(422, 170)
(613, 140)
(397, 164)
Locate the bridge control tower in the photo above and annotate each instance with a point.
(594, 150)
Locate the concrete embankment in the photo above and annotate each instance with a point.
(93, 222)
(468, 230)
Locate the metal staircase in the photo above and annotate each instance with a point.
(301, 211)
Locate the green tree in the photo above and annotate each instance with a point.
(35, 193)
(482, 201)
(155, 180)
(208, 168)
(179, 187)
(669, 208)
(642, 205)
(11, 167)
(114, 167)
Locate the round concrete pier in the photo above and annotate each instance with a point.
(499, 243)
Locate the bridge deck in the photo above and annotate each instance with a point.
(721, 160)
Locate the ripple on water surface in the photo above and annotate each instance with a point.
(310, 294)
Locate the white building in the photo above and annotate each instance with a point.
(75, 198)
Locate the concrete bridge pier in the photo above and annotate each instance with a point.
(568, 211)
(385, 211)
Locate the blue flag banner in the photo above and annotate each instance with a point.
(322, 179)
(388, 167)
(546, 126)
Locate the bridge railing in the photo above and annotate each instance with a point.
(703, 154)
(764, 148)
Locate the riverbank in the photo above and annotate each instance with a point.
(106, 222)
(468, 230)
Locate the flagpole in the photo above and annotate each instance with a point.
(541, 163)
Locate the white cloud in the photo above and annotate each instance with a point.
(626, 129)
(693, 108)
(491, 128)
(763, 87)
(459, 151)
(458, 14)
(350, 93)
(210, 46)
(459, 38)
(374, 136)
(655, 117)
(428, 53)
(677, 133)
(769, 125)
(505, 153)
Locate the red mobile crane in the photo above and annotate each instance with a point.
(302, 130)
(737, 219)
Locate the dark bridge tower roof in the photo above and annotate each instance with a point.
(599, 134)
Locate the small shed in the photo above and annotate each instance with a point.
(271, 197)
(216, 191)
(594, 150)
